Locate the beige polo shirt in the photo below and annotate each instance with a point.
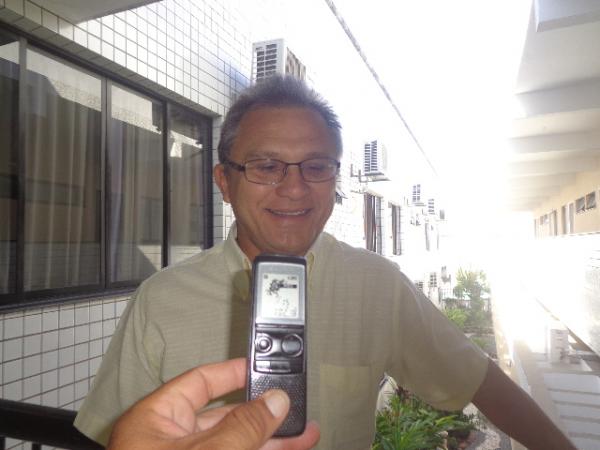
(364, 318)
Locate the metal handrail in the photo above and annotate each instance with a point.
(41, 425)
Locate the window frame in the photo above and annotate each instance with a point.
(580, 205)
(396, 211)
(590, 200)
(373, 224)
(21, 299)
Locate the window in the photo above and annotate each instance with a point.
(62, 169)
(396, 229)
(188, 147)
(71, 224)
(419, 285)
(590, 200)
(433, 280)
(416, 193)
(431, 206)
(563, 219)
(571, 217)
(373, 226)
(9, 90)
(135, 171)
(580, 205)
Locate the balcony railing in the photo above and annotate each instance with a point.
(41, 425)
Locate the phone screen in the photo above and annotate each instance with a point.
(280, 296)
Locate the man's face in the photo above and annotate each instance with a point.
(284, 218)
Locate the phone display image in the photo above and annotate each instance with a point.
(281, 299)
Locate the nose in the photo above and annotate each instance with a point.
(293, 185)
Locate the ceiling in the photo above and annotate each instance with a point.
(557, 132)
(78, 11)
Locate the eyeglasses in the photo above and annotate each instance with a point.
(273, 171)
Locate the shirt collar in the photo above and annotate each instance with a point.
(238, 264)
(241, 267)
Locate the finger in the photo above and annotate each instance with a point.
(180, 398)
(205, 383)
(209, 418)
(250, 425)
(306, 440)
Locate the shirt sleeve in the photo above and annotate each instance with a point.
(434, 359)
(129, 370)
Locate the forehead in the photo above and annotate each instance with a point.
(283, 130)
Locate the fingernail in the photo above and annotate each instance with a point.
(277, 401)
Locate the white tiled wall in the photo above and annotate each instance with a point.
(193, 52)
(49, 355)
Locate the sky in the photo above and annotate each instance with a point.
(451, 69)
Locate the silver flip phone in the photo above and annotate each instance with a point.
(277, 347)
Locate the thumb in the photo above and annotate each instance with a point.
(249, 425)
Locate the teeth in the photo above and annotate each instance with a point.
(289, 213)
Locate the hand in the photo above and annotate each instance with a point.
(167, 418)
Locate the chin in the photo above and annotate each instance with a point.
(292, 249)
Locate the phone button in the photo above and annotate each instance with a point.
(272, 366)
(292, 344)
(263, 344)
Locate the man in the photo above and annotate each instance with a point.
(167, 419)
(279, 157)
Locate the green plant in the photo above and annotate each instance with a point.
(457, 315)
(410, 424)
(471, 284)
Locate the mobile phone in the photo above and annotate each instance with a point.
(277, 345)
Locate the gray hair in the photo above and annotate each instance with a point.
(276, 91)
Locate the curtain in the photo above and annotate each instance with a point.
(136, 186)
(62, 176)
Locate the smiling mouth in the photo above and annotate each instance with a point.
(299, 212)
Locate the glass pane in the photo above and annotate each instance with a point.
(188, 142)
(136, 185)
(9, 91)
(62, 172)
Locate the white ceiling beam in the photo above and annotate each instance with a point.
(523, 205)
(552, 14)
(541, 181)
(556, 142)
(527, 168)
(544, 191)
(572, 97)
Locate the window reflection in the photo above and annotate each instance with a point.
(62, 175)
(188, 142)
(9, 90)
(136, 185)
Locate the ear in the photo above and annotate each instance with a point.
(221, 181)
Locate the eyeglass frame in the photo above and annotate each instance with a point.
(242, 168)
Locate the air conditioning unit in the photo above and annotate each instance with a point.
(274, 58)
(375, 161)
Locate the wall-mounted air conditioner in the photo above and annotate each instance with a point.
(274, 58)
(375, 161)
